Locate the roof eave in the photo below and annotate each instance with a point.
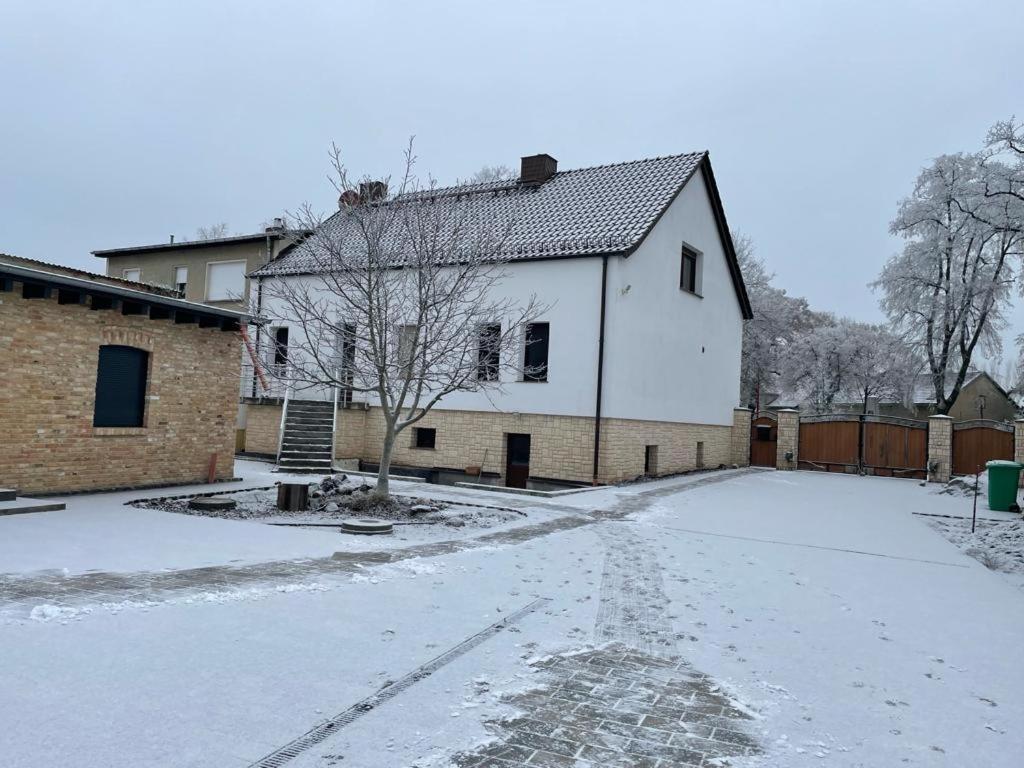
(93, 287)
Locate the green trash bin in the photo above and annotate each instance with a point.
(1003, 478)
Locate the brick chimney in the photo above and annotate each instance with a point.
(536, 169)
(372, 190)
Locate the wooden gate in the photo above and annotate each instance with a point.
(764, 436)
(874, 445)
(979, 441)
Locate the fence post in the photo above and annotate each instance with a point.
(1018, 444)
(789, 439)
(740, 438)
(940, 449)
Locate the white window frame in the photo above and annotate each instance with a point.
(126, 270)
(174, 277)
(244, 264)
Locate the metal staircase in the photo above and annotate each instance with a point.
(307, 437)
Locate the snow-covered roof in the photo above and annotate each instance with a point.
(607, 209)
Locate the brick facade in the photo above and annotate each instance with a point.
(562, 447)
(741, 418)
(1018, 445)
(789, 439)
(940, 449)
(50, 351)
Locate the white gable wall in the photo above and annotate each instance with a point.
(670, 355)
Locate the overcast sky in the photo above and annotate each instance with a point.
(126, 122)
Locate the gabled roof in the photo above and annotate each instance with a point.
(607, 209)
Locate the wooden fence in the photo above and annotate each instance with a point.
(979, 441)
(876, 445)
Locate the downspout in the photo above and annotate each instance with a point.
(600, 370)
(259, 326)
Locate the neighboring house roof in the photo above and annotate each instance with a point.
(74, 272)
(87, 283)
(607, 209)
(176, 246)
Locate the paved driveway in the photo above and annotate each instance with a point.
(780, 618)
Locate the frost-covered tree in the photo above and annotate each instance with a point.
(845, 361)
(212, 232)
(401, 301)
(492, 173)
(948, 291)
(778, 319)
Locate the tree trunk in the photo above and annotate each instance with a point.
(383, 489)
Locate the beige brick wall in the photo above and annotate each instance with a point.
(789, 439)
(1018, 445)
(561, 447)
(49, 354)
(940, 448)
(740, 438)
(262, 423)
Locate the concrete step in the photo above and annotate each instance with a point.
(315, 455)
(303, 418)
(23, 506)
(288, 461)
(305, 445)
(7, 494)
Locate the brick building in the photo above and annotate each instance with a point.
(111, 384)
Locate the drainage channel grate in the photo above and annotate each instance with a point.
(328, 728)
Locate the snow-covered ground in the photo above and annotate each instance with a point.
(853, 631)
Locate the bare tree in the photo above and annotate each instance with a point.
(948, 292)
(212, 232)
(492, 173)
(401, 299)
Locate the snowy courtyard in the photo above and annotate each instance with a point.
(737, 617)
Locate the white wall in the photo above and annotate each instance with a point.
(670, 355)
(571, 290)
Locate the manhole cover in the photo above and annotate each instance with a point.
(366, 526)
(212, 502)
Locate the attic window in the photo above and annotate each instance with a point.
(689, 271)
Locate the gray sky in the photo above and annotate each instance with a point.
(126, 122)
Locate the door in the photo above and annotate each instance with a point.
(764, 435)
(517, 463)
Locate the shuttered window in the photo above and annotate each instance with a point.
(121, 387)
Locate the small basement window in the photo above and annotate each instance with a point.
(424, 437)
(121, 387)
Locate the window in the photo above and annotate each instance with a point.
(279, 355)
(700, 455)
(180, 279)
(120, 387)
(134, 274)
(489, 353)
(425, 437)
(406, 347)
(689, 272)
(764, 432)
(535, 356)
(225, 280)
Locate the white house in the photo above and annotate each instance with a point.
(645, 306)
